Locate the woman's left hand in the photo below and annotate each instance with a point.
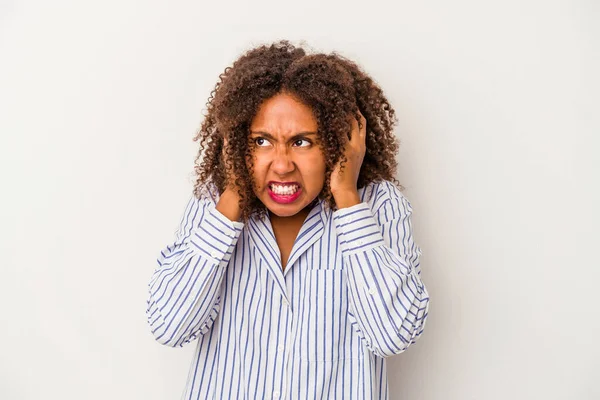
(343, 183)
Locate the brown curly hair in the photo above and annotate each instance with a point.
(331, 85)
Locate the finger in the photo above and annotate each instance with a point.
(359, 133)
(354, 131)
(363, 125)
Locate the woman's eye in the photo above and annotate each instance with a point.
(262, 142)
(302, 143)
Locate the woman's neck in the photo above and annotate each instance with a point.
(294, 220)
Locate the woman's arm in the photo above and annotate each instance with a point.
(185, 289)
(388, 301)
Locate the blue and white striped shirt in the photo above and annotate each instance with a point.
(350, 295)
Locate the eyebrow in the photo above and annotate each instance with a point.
(268, 135)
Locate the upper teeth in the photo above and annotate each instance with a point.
(284, 189)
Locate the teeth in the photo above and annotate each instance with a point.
(284, 189)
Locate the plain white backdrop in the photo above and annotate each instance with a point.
(498, 122)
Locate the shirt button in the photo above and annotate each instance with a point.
(372, 291)
(276, 394)
(348, 220)
(360, 242)
(285, 302)
(280, 347)
(214, 254)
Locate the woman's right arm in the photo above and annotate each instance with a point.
(185, 289)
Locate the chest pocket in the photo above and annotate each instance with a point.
(325, 333)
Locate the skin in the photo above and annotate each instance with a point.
(334, 87)
(285, 132)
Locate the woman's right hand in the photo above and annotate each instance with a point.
(229, 201)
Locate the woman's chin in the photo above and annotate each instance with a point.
(285, 209)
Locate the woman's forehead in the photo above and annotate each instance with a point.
(283, 114)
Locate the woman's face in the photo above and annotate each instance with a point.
(289, 167)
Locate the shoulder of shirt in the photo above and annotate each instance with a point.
(378, 194)
(207, 193)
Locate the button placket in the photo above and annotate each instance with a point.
(280, 350)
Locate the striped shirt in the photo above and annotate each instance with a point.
(350, 296)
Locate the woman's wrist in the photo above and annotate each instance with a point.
(346, 198)
(229, 205)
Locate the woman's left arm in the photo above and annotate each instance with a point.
(388, 301)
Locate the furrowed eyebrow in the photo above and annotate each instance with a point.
(269, 136)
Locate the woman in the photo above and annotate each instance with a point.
(294, 266)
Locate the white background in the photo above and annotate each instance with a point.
(498, 112)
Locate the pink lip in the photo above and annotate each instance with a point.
(284, 198)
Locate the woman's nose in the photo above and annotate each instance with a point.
(282, 162)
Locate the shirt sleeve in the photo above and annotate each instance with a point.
(185, 288)
(388, 302)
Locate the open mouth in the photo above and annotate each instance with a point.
(284, 193)
(284, 190)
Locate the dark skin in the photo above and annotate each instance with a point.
(334, 88)
(286, 151)
(286, 230)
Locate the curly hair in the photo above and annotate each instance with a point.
(331, 85)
